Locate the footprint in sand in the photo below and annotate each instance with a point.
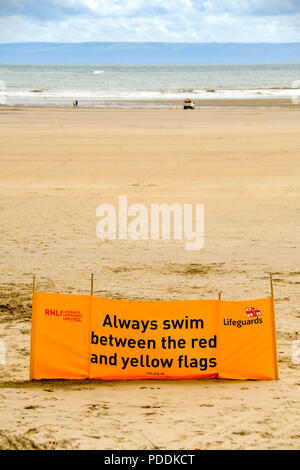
(150, 406)
(98, 407)
(241, 433)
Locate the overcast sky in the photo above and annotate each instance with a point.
(150, 20)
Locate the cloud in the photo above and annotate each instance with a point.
(252, 7)
(150, 20)
(51, 9)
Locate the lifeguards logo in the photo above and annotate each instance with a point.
(69, 315)
(254, 318)
(253, 312)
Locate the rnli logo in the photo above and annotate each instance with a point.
(69, 315)
(253, 312)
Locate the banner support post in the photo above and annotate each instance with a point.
(217, 331)
(92, 284)
(274, 329)
(272, 288)
(32, 335)
(90, 322)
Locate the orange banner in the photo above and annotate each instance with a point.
(76, 337)
(247, 340)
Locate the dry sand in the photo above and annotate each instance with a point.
(57, 166)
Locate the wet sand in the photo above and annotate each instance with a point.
(57, 166)
(210, 103)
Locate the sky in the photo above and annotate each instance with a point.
(150, 20)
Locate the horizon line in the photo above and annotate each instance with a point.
(148, 42)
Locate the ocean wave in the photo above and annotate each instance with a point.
(94, 97)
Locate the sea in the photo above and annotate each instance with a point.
(145, 86)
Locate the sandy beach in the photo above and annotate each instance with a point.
(57, 166)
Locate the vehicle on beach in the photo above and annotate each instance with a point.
(188, 104)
